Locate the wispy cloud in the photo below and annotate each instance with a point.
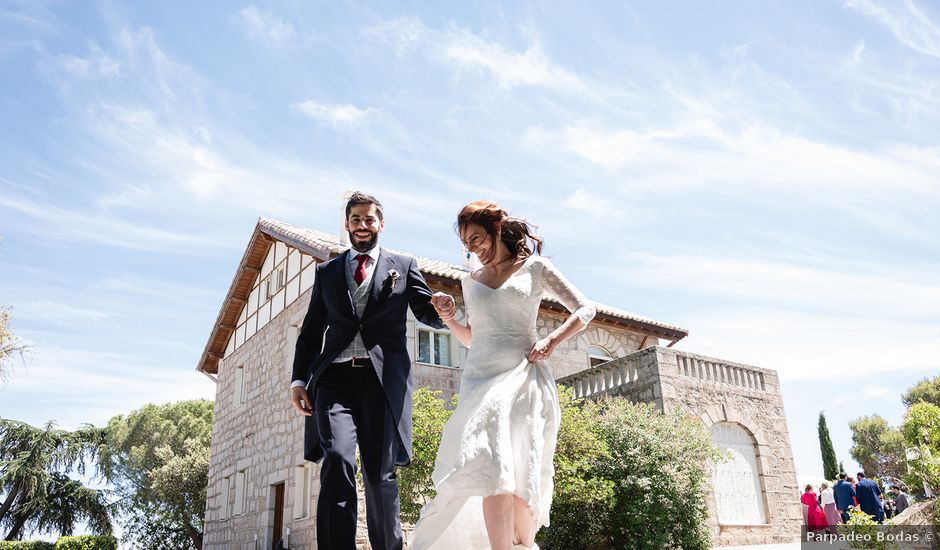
(468, 52)
(34, 15)
(909, 23)
(878, 391)
(97, 63)
(68, 224)
(531, 67)
(824, 284)
(65, 383)
(268, 28)
(59, 313)
(401, 34)
(807, 318)
(858, 51)
(804, 346)
(337, 116)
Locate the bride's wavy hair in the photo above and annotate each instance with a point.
(516, 233)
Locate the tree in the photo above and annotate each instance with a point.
(157, 458)
(927, 390)
(922, 434)
(878, 447)
(828, 453)
(10, 345)
(37, 493)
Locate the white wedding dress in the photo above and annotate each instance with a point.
(501, 436)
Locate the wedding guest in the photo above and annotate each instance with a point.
(815, 518)
(844, 493)
(828, 502)
(869, 498)
(902, 500)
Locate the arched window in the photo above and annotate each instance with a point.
(598, 355)
(738, 496)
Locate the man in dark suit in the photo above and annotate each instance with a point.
(844, 494)
(869, 498)
(352, 379)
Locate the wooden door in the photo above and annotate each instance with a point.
(278, 532)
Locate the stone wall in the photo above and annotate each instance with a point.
(715, 391)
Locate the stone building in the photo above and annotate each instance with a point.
(261, 490)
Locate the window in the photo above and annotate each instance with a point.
(241, 479)
(268, 288)
(281, 279)
(598, 355)
(239, 397)
(224, 498)
(434, 347)
(301, 491)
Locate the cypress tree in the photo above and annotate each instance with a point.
(830, 470)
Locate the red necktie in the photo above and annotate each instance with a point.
(361, 268)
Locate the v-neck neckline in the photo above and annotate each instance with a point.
(513, 274)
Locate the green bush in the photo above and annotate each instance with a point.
(864, 527)
(95, 542)
(645, 476)
(25, 545)
(414, 482)
(579, 492)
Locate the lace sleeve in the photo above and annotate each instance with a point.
(559, 288)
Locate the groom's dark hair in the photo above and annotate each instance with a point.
(358, 198)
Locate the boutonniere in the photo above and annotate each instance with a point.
(393, 277)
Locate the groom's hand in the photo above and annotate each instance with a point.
(300, 399)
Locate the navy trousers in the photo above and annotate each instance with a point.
(351, 411)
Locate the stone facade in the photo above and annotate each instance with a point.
(719, 392)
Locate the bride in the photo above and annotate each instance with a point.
(493, 473)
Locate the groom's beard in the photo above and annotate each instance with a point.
(363, 246)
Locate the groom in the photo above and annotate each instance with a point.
(352, 379)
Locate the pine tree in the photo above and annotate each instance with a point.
(36, 492)
(828, 453)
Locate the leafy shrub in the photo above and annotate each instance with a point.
(579, 492)
(414, 482)
(95, 542)
(25, 545)
(645, 475)
(863, 527)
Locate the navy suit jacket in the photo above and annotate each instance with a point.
(844, 493)
(331, 324)
(868, 496)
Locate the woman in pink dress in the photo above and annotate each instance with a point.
(815, 518)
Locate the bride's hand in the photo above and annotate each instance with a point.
(444, 305)
(541, 350)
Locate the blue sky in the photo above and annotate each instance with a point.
(763, 174)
